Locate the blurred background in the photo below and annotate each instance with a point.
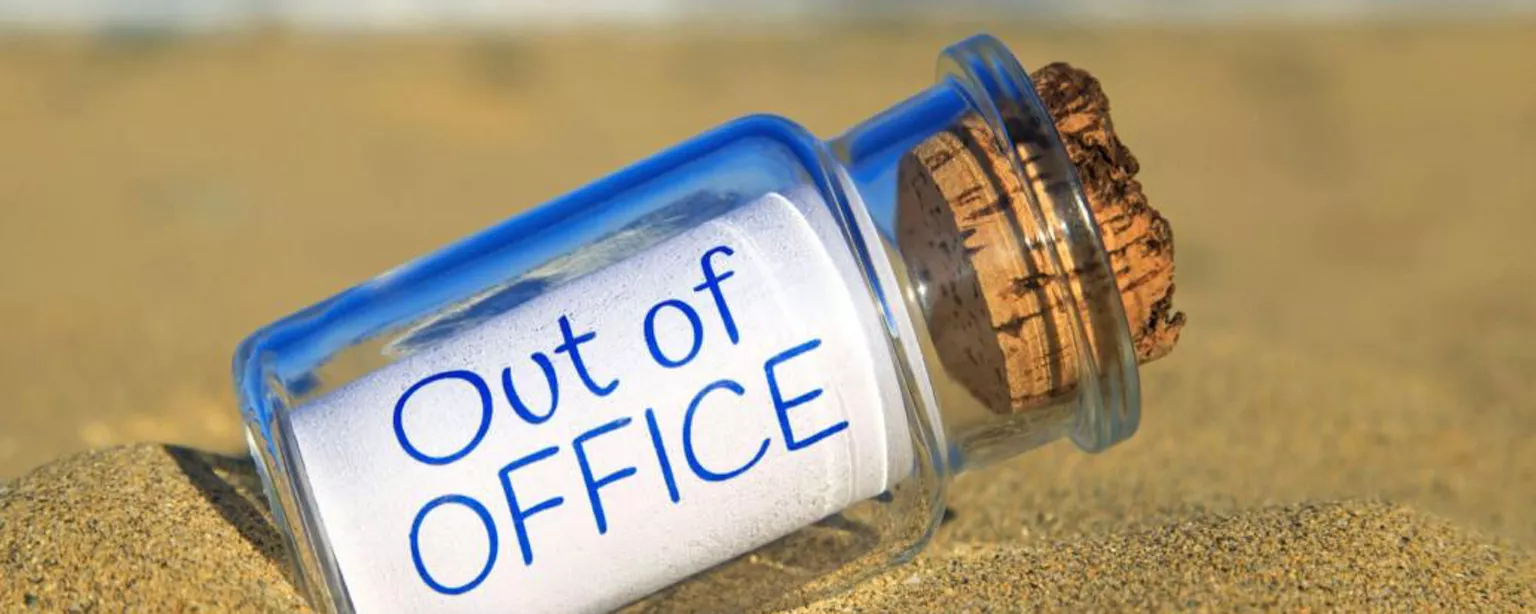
(1352, 185)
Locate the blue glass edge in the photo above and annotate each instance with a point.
(332, 318)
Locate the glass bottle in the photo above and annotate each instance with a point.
(714, 380)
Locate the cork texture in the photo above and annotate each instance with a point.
(1002, 325)
(1138, 238)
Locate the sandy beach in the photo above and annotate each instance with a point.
(1348, 423)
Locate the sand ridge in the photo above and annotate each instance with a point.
(151, 527)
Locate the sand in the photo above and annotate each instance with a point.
(1351, 207)
(185, 530)
(1314, 556)
(145, 528)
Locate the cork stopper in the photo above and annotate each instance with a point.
(1001, 326)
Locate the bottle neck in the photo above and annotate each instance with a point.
(999, 262)
(872, 151)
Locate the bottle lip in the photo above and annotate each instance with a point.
(997, 86)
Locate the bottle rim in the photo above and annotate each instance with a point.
(1000, 90)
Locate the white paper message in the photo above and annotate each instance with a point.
(618, 433)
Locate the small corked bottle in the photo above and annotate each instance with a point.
(734, 376)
